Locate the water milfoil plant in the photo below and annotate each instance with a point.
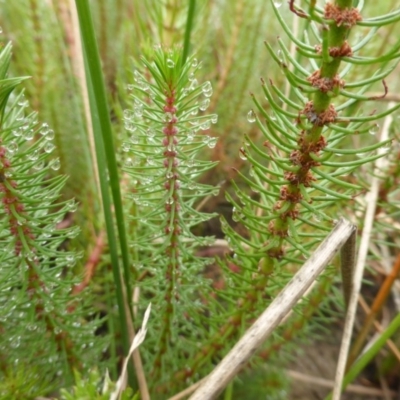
(167, 128)
(46, 331)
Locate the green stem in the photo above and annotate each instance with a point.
(188, 31)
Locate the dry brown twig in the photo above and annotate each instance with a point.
(240, 354)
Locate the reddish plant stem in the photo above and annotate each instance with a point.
(172, 228)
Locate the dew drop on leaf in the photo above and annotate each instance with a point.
(212, 142)
(49, 135)
(193, 84)
(151, 133)
(207, 89)
(205, 125)
(125, 147)
(12, 147)
(374, 129)
(242, 154)
(204, 104)
(55, 164)
(29, 134)
(277, 3)
(170, 63)
(34, 155)
(251, 116)
(49, 147)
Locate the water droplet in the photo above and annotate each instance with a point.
(150, 161)
(49, 135)
(142, 84)
(214, 118)
(316, 217)
(168, 117)
(23, 103)
(193, 84)
(170, 63)
(39, 165)
(130, 87)
(28, 135)
(31, 327)
(138, 110)
(242, 154)
(191, 134)
(16, 132)
(12, 147)
(195, 63)
(251, 116)
(55, 164)
(129, 114)
(49, 147)
(280, 55)
(374, 129)
(207, 89)
(73, 232)
(277, 3)
(130, 126)
(125, 147)
(212, 142)
(34, 155)
(205, 125)
(72, 206)
(134, 140)
(129, 162)
(204, 104)
(71, 260)
(150, 133)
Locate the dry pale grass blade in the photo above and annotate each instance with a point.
(327, 383)
(359, 269)
(137, 341)
(188, 390)
(255, 336)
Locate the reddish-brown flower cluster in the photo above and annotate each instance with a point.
(346, 17)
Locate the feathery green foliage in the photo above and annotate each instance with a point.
(46, 330)
(165, 130)
(306, 160)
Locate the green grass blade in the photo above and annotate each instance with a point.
(188, 30)
(106, 160)
(365, 358)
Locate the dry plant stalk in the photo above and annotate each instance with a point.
(230, 366)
